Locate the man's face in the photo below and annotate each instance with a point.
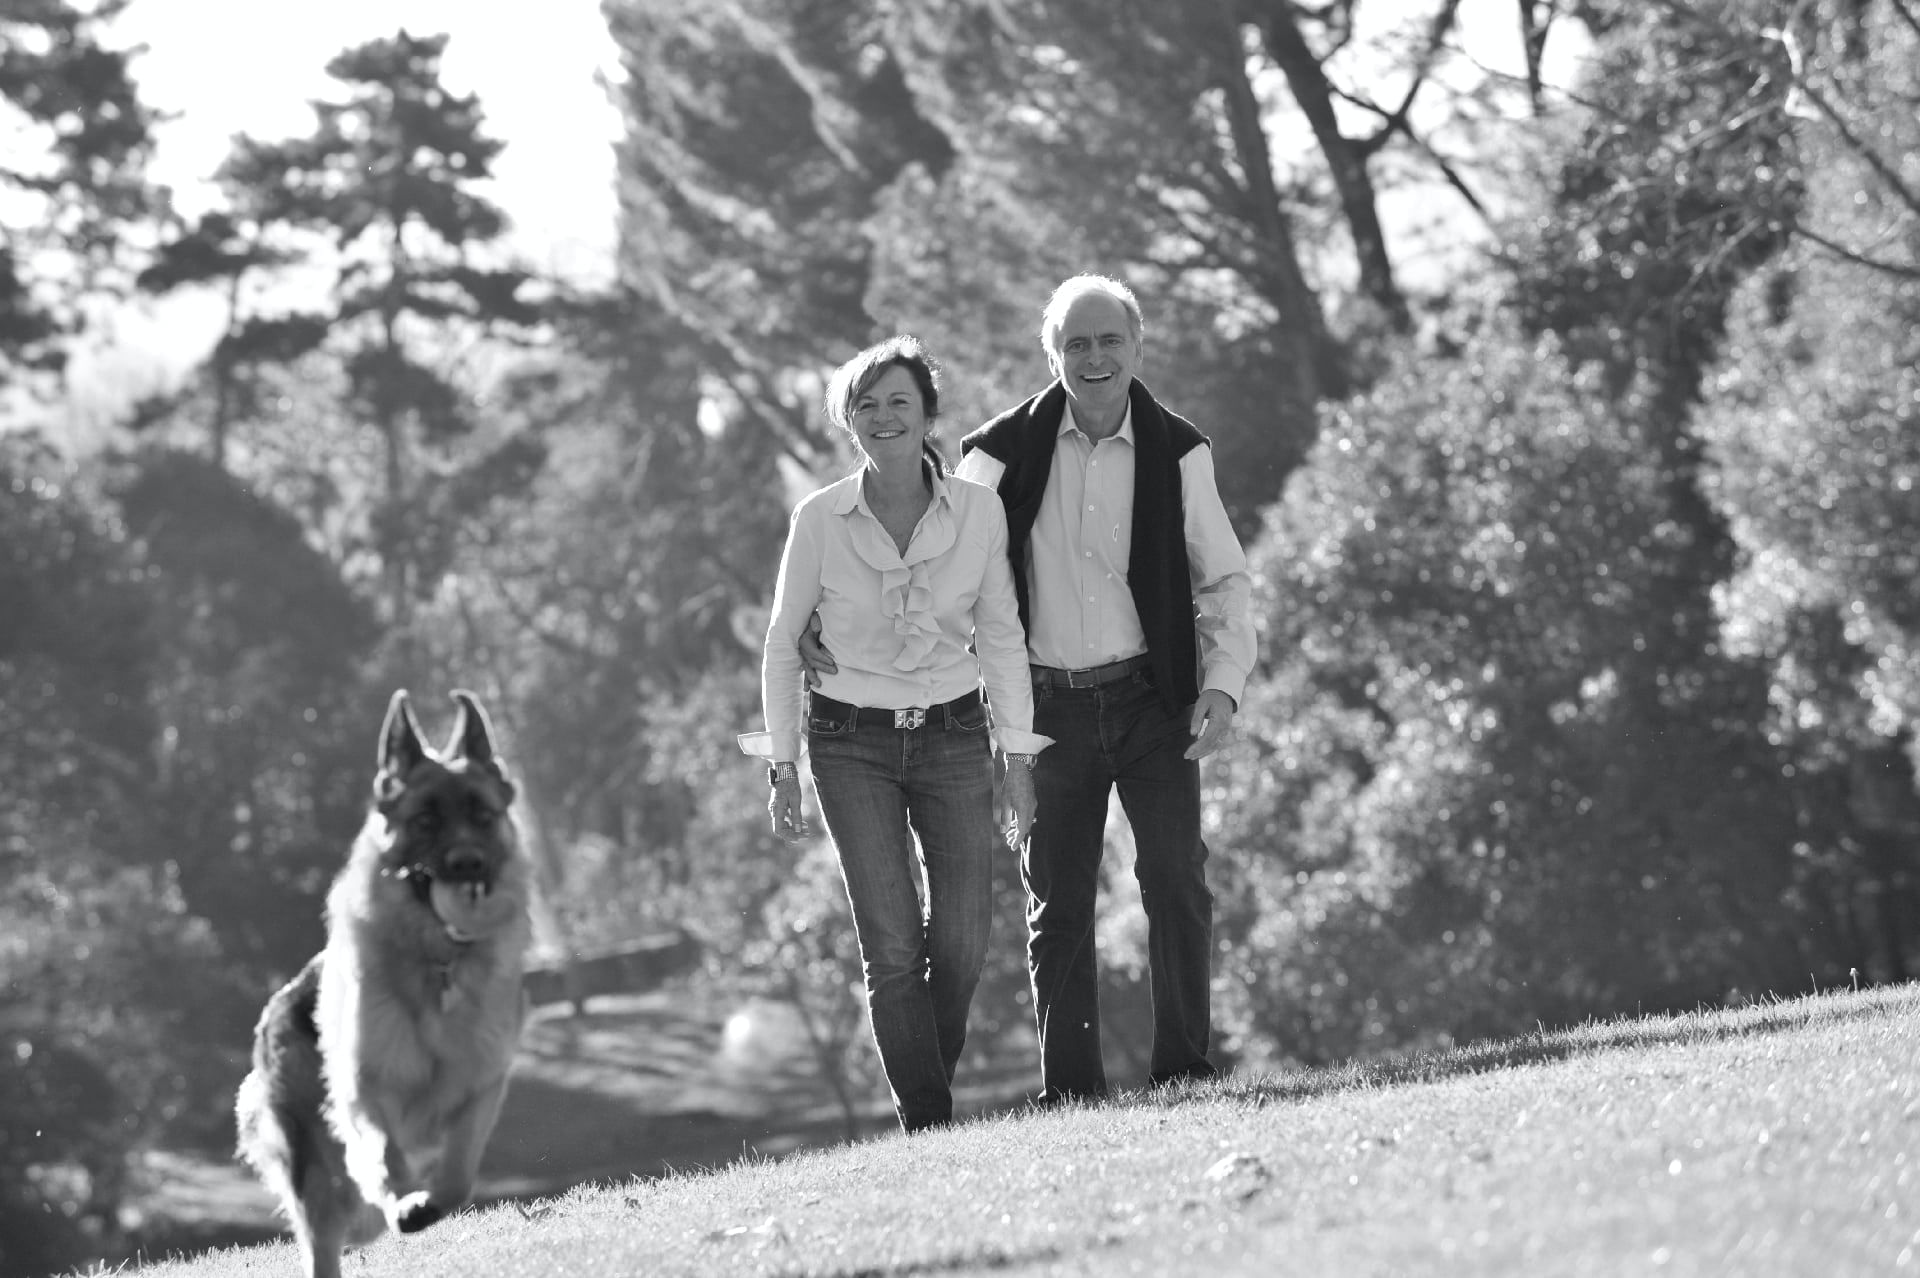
(1096, 356)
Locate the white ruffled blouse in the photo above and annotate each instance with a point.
(898, 626)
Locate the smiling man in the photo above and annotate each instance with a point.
(1135, 597)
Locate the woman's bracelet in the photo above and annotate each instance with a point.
(1024, 760)
(786, 770)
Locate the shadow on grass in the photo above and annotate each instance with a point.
(553, 1137)
(969, 1263)
(647, 1087)
(1545, 1047)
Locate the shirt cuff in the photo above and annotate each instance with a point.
(1231, 682)
(762, 745)
(1014, 741)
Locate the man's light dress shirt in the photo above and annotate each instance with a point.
(1079, 609)
(897, 625)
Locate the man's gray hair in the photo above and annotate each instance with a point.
(1072, 290)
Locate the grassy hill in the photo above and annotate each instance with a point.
(1782, 1138)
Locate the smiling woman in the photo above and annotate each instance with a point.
(906, 570)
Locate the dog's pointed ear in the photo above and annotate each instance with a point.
(472, 737)
(400, 747)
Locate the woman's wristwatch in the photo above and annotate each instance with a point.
(786, 771)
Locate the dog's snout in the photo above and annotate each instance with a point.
(465, 865)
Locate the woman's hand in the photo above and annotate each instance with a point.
(783, 809)
(1018, 801)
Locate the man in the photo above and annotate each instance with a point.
(1134, 592)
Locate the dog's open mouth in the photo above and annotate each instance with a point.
(467, 908)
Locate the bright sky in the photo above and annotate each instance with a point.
(254, 66)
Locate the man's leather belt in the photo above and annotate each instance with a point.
(871, 717)
(1092, 676)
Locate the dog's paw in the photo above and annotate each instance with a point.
(415, 1212)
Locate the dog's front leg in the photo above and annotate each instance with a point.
(375, 1158)
(453, 1180)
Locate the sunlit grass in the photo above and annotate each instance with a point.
(1776, 1139)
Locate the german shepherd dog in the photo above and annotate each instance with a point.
(379, 1070)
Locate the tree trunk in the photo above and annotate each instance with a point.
(1346, 159)
(1302, 327)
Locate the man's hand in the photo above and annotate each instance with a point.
(1212, 720)
(814, 655)
(1017, 804)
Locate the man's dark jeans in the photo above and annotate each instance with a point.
(1120, 735)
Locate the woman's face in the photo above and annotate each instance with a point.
(889, 419)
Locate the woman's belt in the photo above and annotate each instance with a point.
(871, 717)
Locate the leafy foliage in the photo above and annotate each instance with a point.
(93, 937)
(388, 177)
(1480, 809)
(68, 208)
(1810, 426)
(265, 725)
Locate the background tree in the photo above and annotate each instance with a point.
(219, 251)
(1571, 767)
(1233, 159)
(387, 176)
(1814, 459)
(263, 745)
(1455, 815)
(758, 135)
(103, 1053)
(78, 184)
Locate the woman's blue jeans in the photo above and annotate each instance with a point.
(1118, 735)
(879, 787)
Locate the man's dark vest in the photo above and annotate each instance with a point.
(1022, 439)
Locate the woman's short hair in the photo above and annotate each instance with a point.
(1079, 286)
(853, 378)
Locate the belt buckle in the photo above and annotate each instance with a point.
(910, 718)
(1073, 680)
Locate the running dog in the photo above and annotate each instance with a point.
(378, 1071)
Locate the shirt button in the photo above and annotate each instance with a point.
(1088, 554)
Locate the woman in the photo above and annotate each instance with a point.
(906, 567)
